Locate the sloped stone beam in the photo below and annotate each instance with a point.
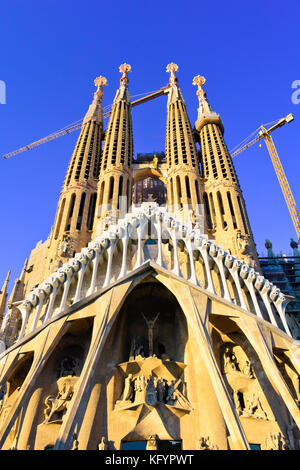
(218, 255)
(233, 265)
(134, 225)
(253, 333)
(49, 338)
(248, 274)
(203, 247)
(41, 295)
(193, 316)
(99, 246)
(83, 258)
(68, 271)
(264, 286)
(109, 305)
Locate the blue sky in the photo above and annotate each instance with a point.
(52, 50)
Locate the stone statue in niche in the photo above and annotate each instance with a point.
(161, 388)
(253, 407)
(152, 442)
(243, 246)
(230, 361)
(136, 349)
(153, 390)
(128, 388)
(151, 394)
(75, 444)
(103, 444)
(140, 385)
(248, 370)
(56, 405)
(65, 247)
(277, 442)
(238, 401)
(204, 443)
(150, 324)
(175, 396)
(69, 365)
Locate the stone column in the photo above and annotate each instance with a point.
(89, 417)
(28, 421)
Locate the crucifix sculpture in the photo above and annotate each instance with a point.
(150, 325)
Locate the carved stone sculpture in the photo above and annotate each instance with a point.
(152, 442)
(230, 361)
(204, 443)
(254, 407)
(69, 365)
(103, 444)
(57, 405)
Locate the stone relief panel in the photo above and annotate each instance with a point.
(55, 405)
(246, 392)
(151, 380)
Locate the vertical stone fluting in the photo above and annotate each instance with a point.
(76, 207)
(115, 180)
(184, 182)
(225, 207)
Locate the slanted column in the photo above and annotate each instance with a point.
(255, 336)
(107, 307)
(32, 409)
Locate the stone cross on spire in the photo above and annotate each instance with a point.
(124, 69)
(172, 68)
(203, 103)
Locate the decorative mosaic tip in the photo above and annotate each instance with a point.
(172, 68)
(100, 81)
(124, 69)
(199, 81)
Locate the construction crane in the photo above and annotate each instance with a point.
(285, 187)
(77, 125)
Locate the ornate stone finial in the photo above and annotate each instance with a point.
(100, 82)
(172, 68)
(199, 81)
(124, 69)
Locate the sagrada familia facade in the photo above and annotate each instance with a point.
(144, 320)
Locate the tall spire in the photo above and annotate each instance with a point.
(174, 92)
(203, 103)
(3, 297)
(205, 111)
(95, 112)
(184, 185)
(115, 178)
(225, 207)
(122, 92)
(75, 212)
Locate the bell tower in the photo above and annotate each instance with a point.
(184, 191)
(115, 178)
(76, 207)
(225, 207)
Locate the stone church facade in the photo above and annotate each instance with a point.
(149, 324)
